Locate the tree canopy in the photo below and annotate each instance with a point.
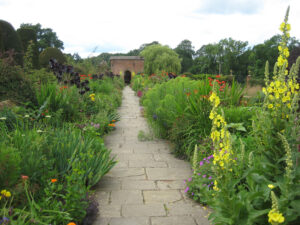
(159, 58)
(46, 37)
(185, 50)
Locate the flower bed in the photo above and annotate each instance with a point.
(53, 153)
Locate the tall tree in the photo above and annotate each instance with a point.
(186, 51)
(46, 37)
(158, 58)
(136, 52)
(223, 58)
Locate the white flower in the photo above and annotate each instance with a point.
(26, 116)
(48, 116)
(3, 118)
(39, 131)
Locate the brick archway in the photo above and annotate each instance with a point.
(127, 77)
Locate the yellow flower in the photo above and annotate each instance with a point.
(211, 115)
(270, 106)
(5, 193)
(286, 52)
(275, 217)
(215, 186)
(282, 26)
(271, 186)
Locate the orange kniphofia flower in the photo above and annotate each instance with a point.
(72, 223)
(111, 125)
(53, 180)
(24, 177)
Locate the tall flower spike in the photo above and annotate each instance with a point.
(289, 161)
(267, 73)
(195, 158)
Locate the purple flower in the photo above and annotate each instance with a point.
(97, 126)
(209, 177)
(208, 185)
(204, 176)
(190, 179)
(204, 159)
(198, 174)
(186, 190)
(212, 182)
(201, 163)
(192, 193)
(184, 181)
(207, 161)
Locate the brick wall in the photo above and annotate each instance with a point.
(119, 66)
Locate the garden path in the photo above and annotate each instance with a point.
(146, 187)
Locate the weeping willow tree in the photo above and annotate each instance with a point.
(160, 58)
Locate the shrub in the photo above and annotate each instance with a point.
(49, 53)
(14, 85)
(10, 40)
(40, 77)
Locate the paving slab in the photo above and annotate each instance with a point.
(170, 184)
(130, 221)
(168, 173)
(108, 211)
(147, 164)
(126, 197)
(173, 220)
(163, 196)
(142, 210)
(125, 172)
(138, 185)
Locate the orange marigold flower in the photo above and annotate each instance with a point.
(188, 94)
(111, 125)
(53, 180)
(72, 223)
(196, 91)
(218, 76)
(113, 121)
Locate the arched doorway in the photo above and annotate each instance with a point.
(127, 77)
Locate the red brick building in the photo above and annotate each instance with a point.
(126, 66)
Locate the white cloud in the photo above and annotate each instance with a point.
(119, 25)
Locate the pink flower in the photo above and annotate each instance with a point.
(186, 190)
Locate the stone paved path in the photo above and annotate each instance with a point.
(146, 186)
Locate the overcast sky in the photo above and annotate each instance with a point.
(122, 25)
